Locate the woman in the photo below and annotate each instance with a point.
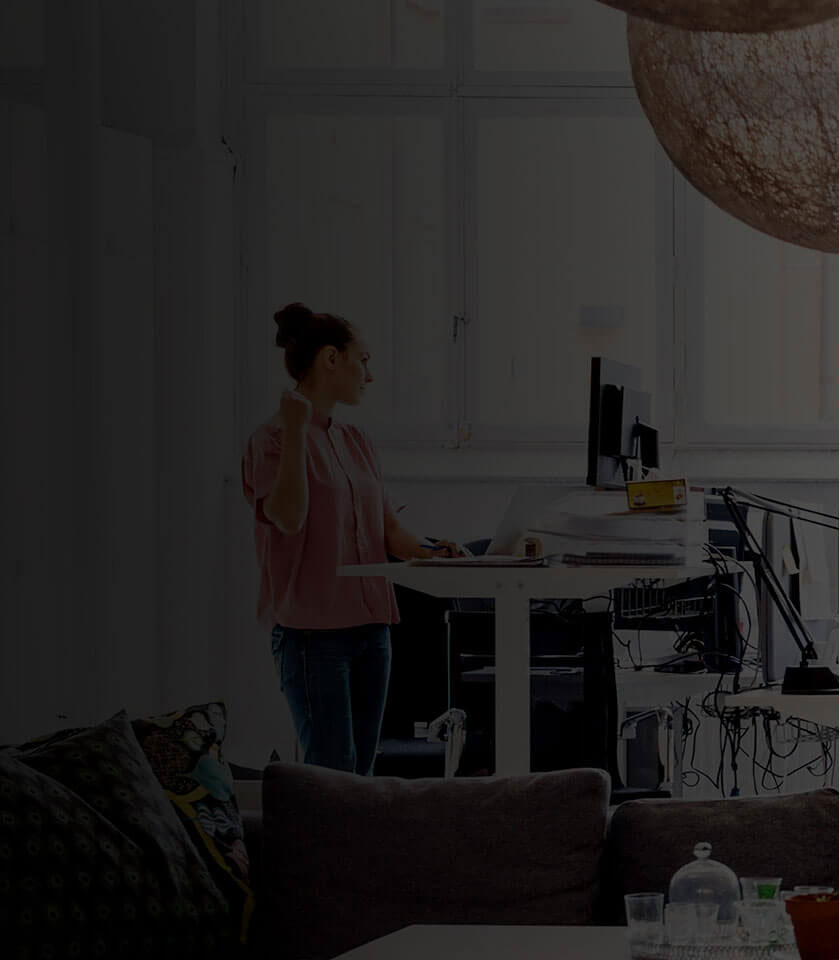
(319, 502)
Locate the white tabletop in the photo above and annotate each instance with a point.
(564, 582)
(496, 942)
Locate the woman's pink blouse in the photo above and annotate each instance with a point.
(299, 586)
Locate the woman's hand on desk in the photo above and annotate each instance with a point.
(404, 545)
(441, 548)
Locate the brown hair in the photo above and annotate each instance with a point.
(302, 333)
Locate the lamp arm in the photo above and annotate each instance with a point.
(767, 576)
(792, 510)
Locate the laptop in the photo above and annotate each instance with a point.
(524, 510)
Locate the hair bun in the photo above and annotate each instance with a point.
(292, 321)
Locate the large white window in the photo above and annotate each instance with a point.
(352, 206)
(568, 228)
(477, 183)
(489, 239)
(760, 321)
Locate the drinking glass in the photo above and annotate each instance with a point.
(680, 922)
(706, 921)
(644, 916)
(760, 920)
(760, 888)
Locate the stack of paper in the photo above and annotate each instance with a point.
(597, 528)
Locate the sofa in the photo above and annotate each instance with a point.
(125, 838)
(338, 860)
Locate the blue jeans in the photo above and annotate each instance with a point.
(335, 682)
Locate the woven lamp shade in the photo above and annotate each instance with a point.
(751, 120)
(731, 16)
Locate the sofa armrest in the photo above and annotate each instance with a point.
(252, 823)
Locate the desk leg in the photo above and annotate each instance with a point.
(600, 707)
(512, 679)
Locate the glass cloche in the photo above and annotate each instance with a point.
(705, 880)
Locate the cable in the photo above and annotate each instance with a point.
(699, 773)
(726, 559)
(627, 645)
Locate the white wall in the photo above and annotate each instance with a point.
(119, 290)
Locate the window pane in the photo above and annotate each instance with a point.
(566, 265)
(357, 226)
(769, 354)
(364, 34)
(551, 35)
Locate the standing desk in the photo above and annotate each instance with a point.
(513, 588)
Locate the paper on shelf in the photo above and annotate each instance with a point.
(815, 587)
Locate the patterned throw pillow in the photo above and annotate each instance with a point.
(93, 860)
(184, 749)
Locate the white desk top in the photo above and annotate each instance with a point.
(566, 583)
(482, 942)
(822, 709)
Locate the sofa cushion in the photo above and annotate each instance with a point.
(185, 750)
(94, 861)
(795, 836)
(348, 858)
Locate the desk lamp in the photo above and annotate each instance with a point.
(803, 678)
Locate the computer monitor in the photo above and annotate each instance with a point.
(619, 428)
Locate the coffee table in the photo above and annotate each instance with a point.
(503, 942)
(496, 942)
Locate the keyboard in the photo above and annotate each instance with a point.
(606, 559)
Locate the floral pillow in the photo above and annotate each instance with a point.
(94, 861)
(184, 749)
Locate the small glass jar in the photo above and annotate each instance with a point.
(704, 880)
